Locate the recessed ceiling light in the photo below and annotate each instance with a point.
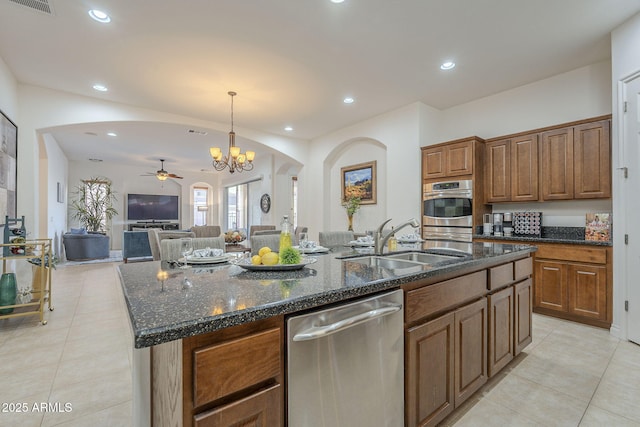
(99, 16)
(112, 134)
(348, 100)
(447, 65)
(100, 88)
(288, 128)
(95, 160)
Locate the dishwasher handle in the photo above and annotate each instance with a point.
(316, 332)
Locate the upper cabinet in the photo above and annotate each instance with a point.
(511, 169)
(448, 160)
(560, 163)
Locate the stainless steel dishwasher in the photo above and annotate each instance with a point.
(345, 365)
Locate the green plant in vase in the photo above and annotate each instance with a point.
(351, 204)
(92, 206)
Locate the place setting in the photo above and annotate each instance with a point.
(307, 246)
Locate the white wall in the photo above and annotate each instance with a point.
(8, 93)
(625, 61)
(397, 136)
(53, 212)
(575, 95)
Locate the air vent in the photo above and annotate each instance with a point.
(197, 132)
(42, 6)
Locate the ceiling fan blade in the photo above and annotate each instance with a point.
(173, 175)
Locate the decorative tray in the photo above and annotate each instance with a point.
(246, 264)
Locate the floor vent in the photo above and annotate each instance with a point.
(42, 6)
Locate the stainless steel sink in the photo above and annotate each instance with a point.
(385, 262)
(422, 257)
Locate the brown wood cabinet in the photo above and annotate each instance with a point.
(573, 282)
(448, 160)
(459, 330)
(563, 162)
(235, 376)
(576, 162)
(511, 169)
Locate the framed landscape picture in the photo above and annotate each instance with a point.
(360, 181)
(8, 167)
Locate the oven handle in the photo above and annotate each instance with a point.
(448, 217)
(448, 195)
(458, 237)
(316, 332)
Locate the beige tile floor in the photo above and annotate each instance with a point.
(571, 375)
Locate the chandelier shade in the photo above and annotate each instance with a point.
(235, 160)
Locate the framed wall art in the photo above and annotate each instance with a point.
(8, 167)
(360, 181)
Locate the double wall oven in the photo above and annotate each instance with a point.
(447, 211)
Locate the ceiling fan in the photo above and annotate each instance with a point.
(162, 174)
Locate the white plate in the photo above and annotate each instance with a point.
(316, 250)
(208, 259)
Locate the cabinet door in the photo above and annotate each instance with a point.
(557, 164)
(498, 171)
(261, 409)
(429, 372)
(587, 290)
(524, 168)
(592, 160)
(433, 163)
(550, 286)
(470, 369)
(500, 329)
(459, 159)
(522, 326)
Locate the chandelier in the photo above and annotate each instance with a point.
(234, 160)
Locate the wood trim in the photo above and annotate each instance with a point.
(166, 384)
(552, 127)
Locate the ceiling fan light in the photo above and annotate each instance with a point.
(162, 177)
(250, 156)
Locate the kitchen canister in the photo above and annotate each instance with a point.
(8, 292)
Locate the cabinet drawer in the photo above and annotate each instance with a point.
(441, 296)
(573, 253)
(500, 276)
(523, 268)
(225, 368)
(263, 408)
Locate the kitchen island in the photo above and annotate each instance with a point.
(182, 329)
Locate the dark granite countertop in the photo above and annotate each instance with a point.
(567, 235)
(162, 309)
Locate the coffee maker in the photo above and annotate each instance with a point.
(497, 224)
(507, 224)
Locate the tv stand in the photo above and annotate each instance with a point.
(165, 225)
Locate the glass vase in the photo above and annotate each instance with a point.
(350, 222)
(8, 292)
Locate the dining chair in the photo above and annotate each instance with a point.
(255, 228)
(270, 240)
(206, 230)
(335, 238)
(170, 248)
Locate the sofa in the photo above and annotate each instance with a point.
(85, 246)
(135, 244)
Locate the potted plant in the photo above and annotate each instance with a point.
(351, 204)
(93, 204)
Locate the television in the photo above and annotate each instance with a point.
(152, 207)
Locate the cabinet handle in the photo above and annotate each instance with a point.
(323, 331)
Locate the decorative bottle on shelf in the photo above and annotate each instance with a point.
(392, 243)
(285, 234)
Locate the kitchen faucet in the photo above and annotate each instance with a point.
(381, 240)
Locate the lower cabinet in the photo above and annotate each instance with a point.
(235, 376)
(523, 302)
(501, 335)
(574, 290)
(446, 362)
